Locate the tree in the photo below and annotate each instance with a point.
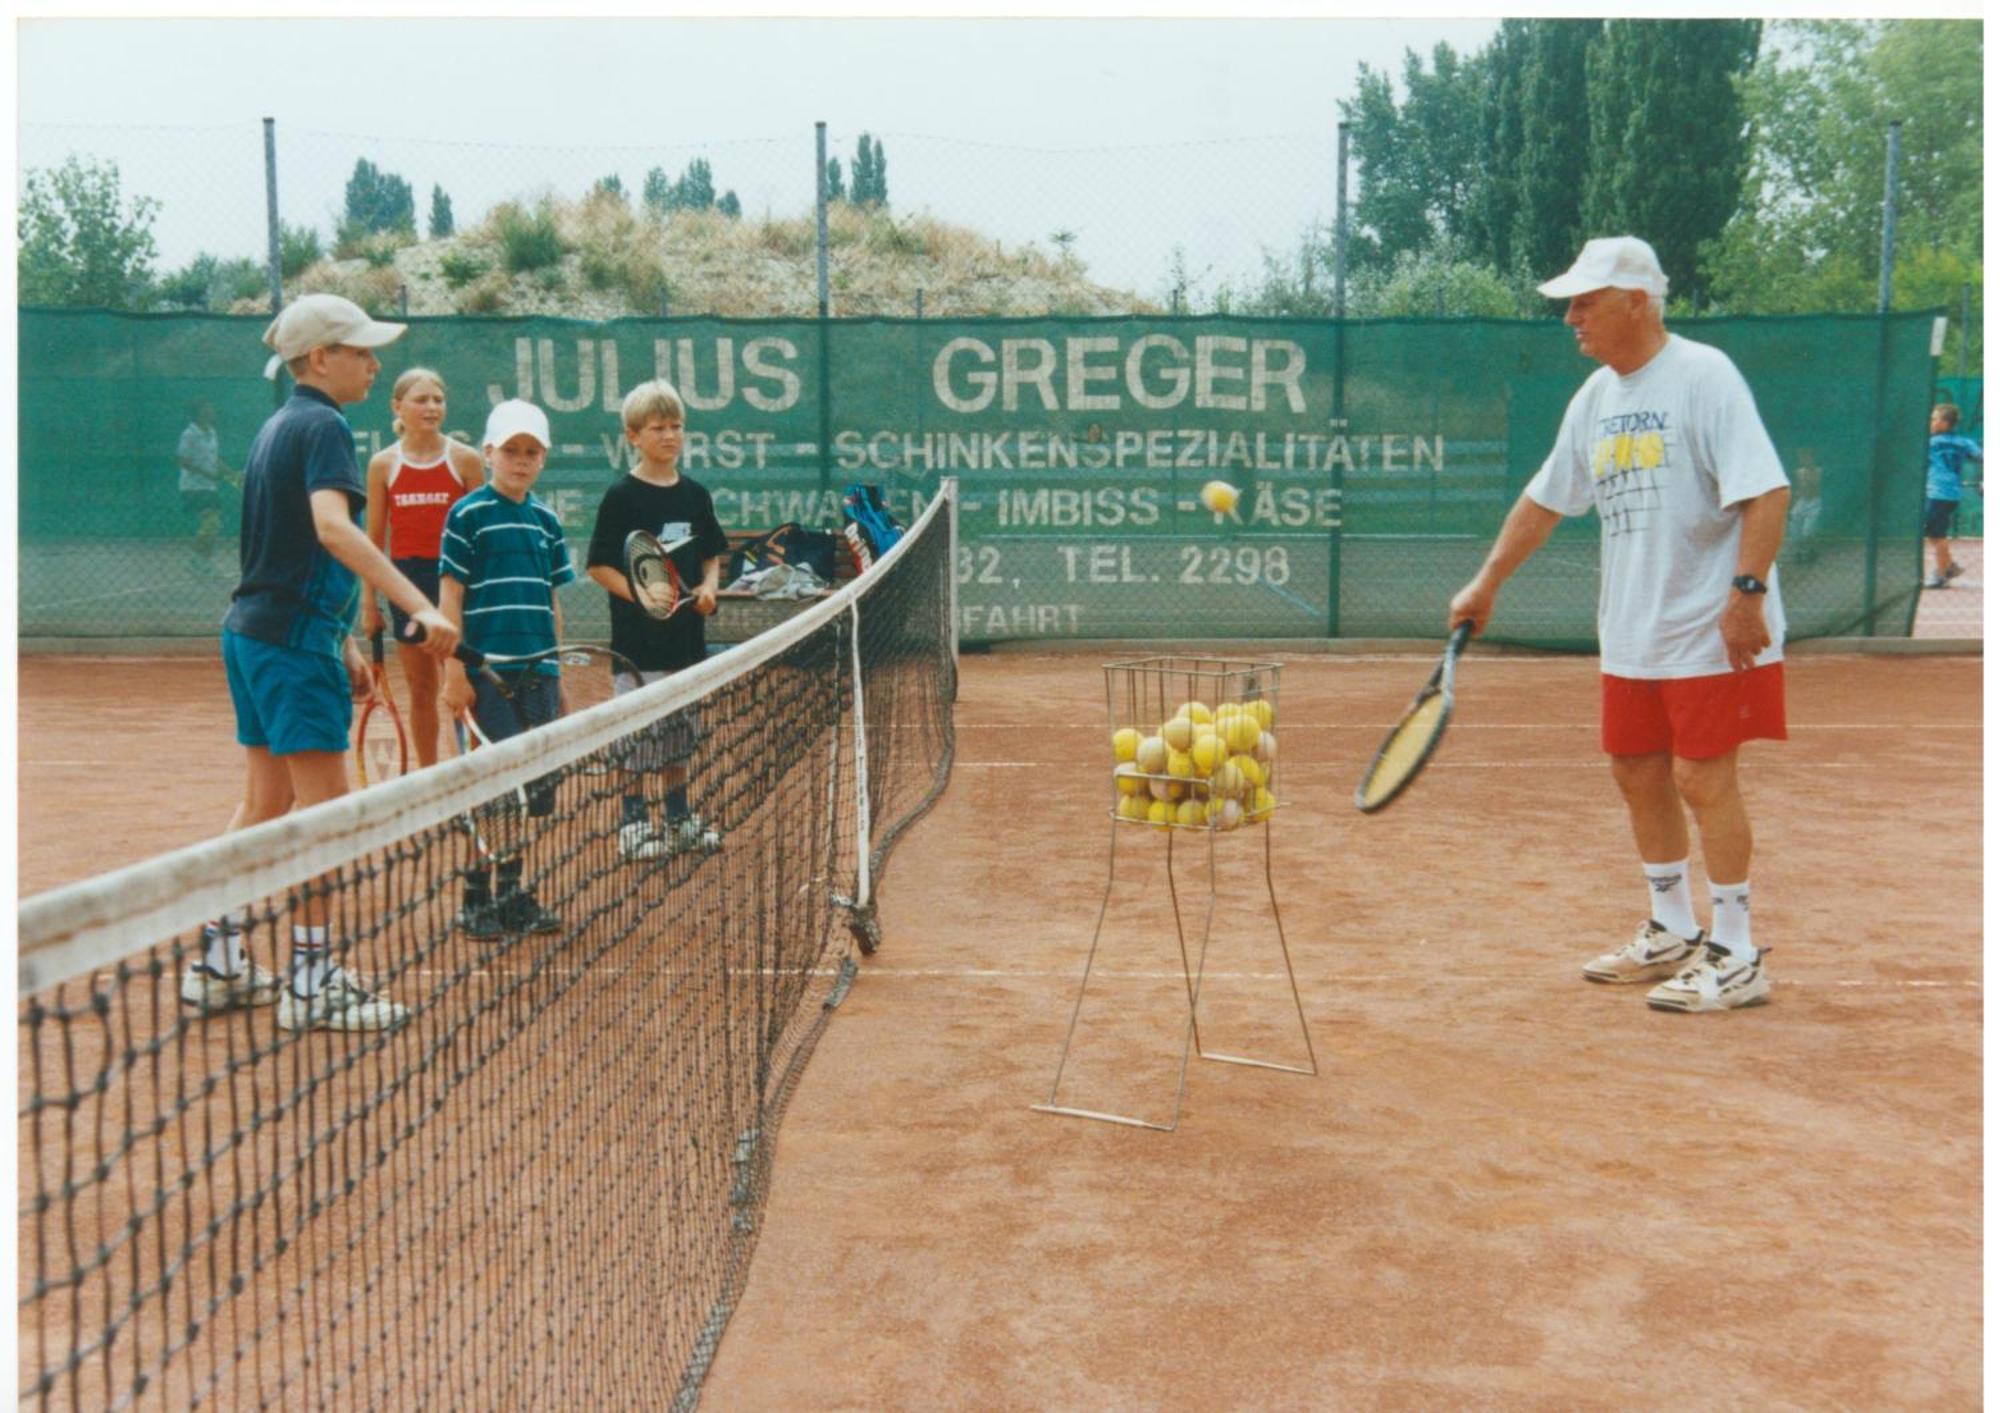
(1555, 148)
(695, 191)
(610, 186)
(729, 206)
(442, 224)
(658, 193)
(871, 175)
(881, 175)
(80, 243)
(1418, 161)
(834, 190)
(377, 201)
(1668, 141)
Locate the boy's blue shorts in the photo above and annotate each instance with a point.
(287, 699)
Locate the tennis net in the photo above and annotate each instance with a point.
(543, 1187)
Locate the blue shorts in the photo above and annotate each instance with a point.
(287, 700)
(537, 701)
(663, 743)
(424, 574)
(1937, 518)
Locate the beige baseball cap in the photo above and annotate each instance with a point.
(511, 418)
(320, 320)
(1610, 262)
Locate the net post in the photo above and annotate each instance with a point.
(948, 487)
(863, 827)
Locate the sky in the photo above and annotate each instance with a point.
(1196, 143)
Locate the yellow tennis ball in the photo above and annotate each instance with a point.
(1263, 711)
(1207, 753)
(1178, 733)
(1191, 814)
(1124, 744)
(1219, 496)
(1267, 748)
(1151, 755)
(1159, 814)
(1262, 803)
(1228, 780)
(1134, 807)
(1129, 780)
(1180, 765)
(1241, 733)
(1196, 712)
(1253, 773)
(1229, 815)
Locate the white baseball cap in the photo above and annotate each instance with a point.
(509, 419)
(1610, 262)
(320, 320)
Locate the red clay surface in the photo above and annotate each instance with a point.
(1505, 1188)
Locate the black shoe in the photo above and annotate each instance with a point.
(522, 912)
(481, 920)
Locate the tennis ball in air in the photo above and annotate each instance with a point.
(1240, 733)
(1130, 781)
(1253, 773)
(1178, 733)
(1197, 712)
(1124, 743)
(1159, 814)
(1219, 496)
(1207, 753)
(1151, 755)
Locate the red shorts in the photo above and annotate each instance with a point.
(1696, 718)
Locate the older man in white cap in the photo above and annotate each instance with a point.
(1665, 443)
(293, 670)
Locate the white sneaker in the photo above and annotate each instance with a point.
(639, 840)
(341, 1004)
(1654, 952)
(1718, 980)
(212, 991)
(692, 835)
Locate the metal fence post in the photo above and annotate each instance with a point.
(272, 245)
(825, 309)
(1889, 175)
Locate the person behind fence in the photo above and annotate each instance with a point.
(657, 498)
(1665, 441)
(1944, 488)
(203, 472)
(412, 486)
(293, 670)
(501, 559)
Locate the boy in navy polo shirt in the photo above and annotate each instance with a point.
(500, 562)
(294, 673)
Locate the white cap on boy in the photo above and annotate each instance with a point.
(513, 417)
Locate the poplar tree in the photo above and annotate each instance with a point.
(1554, 146)
(441, 222)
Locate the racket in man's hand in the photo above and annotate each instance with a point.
(381, 749)
(1415, 738)
(651, 576)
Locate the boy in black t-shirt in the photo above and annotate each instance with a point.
(657, 498)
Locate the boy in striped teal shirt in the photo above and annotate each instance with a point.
(499, 564)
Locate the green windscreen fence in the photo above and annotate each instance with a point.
(1375, 458)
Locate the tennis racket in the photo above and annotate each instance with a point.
(651, 576)
(381, 748)
(1411, 743)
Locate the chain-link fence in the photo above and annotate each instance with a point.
(723, 228)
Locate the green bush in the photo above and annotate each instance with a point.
(461, 267)
(529, 240)
(298, 248)
(485, 294)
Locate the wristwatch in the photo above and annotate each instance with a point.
(1749, 584)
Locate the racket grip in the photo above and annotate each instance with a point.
(475, 660)
(1461, 635)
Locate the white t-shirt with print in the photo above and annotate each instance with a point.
(1664, 455)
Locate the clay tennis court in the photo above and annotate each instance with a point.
(1504, 1188)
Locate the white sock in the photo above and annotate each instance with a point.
(224, 951)
(1670, 897)
(1731, 918)
(310, 965)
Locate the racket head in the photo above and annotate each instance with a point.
(651, 576)
(1411, 742)
(381, 748)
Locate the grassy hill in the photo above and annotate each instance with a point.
(601, 259)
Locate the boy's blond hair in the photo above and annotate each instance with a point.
(650, 400)
(1948, 411)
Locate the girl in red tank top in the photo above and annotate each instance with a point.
(412, 485)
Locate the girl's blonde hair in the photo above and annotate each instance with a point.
(649, 400)
(410, 378)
